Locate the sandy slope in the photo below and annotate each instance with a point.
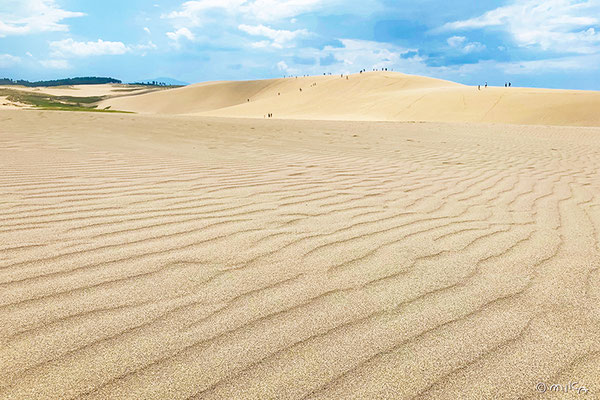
(6, 104)
(154, 257)
(385, 96)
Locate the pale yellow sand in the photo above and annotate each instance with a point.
(157, 257)
(381, 96)
(6, 104)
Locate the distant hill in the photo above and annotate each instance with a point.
(89, 80)
(162, 81)
(376, 96)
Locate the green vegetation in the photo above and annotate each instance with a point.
(128, 90)
(89, 80)
(45, 101)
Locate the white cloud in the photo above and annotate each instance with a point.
(556, 25)
(143, 49)
(282, 66)
(263, 10)
(269, 10)
(460, 42)
(359, 54)
(147, 30)
(148, 46)
(572, 63)
(55, 64)
(456, 41)
(354, 55)
(70, 47)
(192, 12)
(181, 33)
(222, 22)
(261, 45)
(583, 63)
(21, 17)
(473, 47)
(279, 38)
(8, 60)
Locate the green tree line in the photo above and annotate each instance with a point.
(89, 80)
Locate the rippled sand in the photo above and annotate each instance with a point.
(150, 257)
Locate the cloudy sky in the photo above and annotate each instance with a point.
(542, 43)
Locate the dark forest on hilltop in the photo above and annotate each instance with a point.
(90, 80)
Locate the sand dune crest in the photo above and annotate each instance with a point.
(381, 96)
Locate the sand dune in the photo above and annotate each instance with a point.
(171, 257)
(384, 96)
(6, 104)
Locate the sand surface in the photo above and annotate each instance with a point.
(6, 104)
(169, 257)
(374, 96)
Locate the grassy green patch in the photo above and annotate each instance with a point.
(46, 101)
(128, 90)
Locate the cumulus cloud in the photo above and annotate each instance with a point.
(352, 55)
(473, 47)
(22, 17)
(55, 64)
(8, 60)
(584, 62)
(269, 10)
(261, 44)
(222, 22)
(192, 12)
(147, 46)
(460, 42)
(72, 48)
(147, 30)
(357, 54)
(263, 10)
(456, 41)
(279, 38)
(282, 66)
(555, 25)
(143, 48)
(181, 33)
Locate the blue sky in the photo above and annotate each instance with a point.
(541, 43)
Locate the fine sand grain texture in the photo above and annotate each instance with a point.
(371, 96)
(172, 257)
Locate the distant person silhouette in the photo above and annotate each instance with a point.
(478, 87)
(486, 84)
(509, 84)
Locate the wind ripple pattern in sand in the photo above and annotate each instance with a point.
(147, 257)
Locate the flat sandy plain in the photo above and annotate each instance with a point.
(190, 257)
